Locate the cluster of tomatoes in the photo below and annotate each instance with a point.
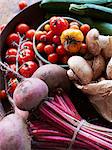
(48, 42)
(20, 55)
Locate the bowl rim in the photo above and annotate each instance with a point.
(34, 40)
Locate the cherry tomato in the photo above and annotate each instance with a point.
(53, 58)
(74, 23)
(12, 39)
(12, 84)
(30, 33)
(58, 24)
(3, 95)
(27, 45)
(74, 27)
(85, 28)
(83, 49)
(67, 23)
(28, 68)
(64, 59)
(38, 35)
(22, 28)
(10, 74)
(22, 4)
(56, 39)
(26, 55)
(60, 50)
(40, 47)
(2, 26)
(48, 49)
(47, 27)
(43, 38)
(49, 35)
(10, 56)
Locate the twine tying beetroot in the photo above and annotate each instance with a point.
(60, 127)
(75, 133)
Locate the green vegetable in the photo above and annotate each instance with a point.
(56, 5)
(92, 10)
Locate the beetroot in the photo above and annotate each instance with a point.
(29, 93)
(14, 134)
(54, 76)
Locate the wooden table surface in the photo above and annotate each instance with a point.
(9, 8)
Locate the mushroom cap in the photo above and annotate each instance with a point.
(92, 41)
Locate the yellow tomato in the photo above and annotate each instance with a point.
(72, 39)
(47, 27)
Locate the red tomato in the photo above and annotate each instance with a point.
(30, 33)
(83, 49)
(22, 4)
(43, 38)
(60, 50)
(38, 35)
(85, 28)
(27, 45)
(12, 84)
(2, 26)
(64, 59)
(67, 23)
(58, 24)
(22, 28)
(28, 68)
(56, 39)
(50, 35)
(10, 56)
(11, 39)
(53, 58)
(40, 47)
(10, 74)
(48, 49)
(3, 94)
(26, 55)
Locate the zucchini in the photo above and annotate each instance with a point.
(63, 5)
(92, 10)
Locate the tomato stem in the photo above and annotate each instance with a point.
(11, 70)
(19, 49)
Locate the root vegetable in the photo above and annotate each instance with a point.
(100, 95)
(109, 69)
(2, 113)
(54, 76)
(101, 79)
(14, 134)
(29, 93)
(106, 42)
(92, 41)
(71, 75)
(98, 66)
(81, 69)
(99, 43)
